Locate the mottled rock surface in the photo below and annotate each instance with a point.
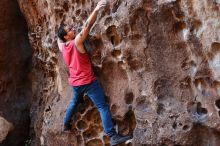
(158, 61)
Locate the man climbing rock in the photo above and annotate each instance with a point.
(82, 78)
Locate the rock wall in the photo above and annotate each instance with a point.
(15, 84)
(158, 61)
(5, 128)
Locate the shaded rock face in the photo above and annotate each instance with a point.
(15, 65)
(158, 62)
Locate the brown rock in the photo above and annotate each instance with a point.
(158, 62)
(5, 128)
(15, 66)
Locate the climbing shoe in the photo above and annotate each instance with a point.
(67, 127)
(118, 139)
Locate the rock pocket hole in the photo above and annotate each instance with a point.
(84, 14)
(108, 20)
(160, 108)
(77, 1)
(61, 15)
(185, 83)
(217, 103)
(78, 12)
(129, 98)
(83, 2)
(128, 124)
(82, 108)
(73, 8)
(114, 109)
(215, 47)
(186, 65)
(200, 109)
(98, 42)
(66, 6)
(185, 127)
(81, 125)
(48, 109)
(116, 53)
(174, 125)
(45, 4)
(93, 116)
(92, 132)
(113, 35)
(179, 26)
(196, 24)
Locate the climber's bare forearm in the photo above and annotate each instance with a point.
(80, 38)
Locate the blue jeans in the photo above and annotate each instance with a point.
(96, 94)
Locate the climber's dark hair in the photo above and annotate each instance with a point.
(61, 32)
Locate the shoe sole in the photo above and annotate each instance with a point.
(122, 141)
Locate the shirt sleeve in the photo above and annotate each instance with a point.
(60, 45)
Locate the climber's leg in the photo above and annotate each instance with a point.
(77, 97)
(96, 94)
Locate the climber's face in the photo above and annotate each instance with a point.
(70, 33)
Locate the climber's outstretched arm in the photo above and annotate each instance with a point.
(80, 38)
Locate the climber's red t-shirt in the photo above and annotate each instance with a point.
(79, 64)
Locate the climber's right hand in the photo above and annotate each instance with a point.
(101, 4)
